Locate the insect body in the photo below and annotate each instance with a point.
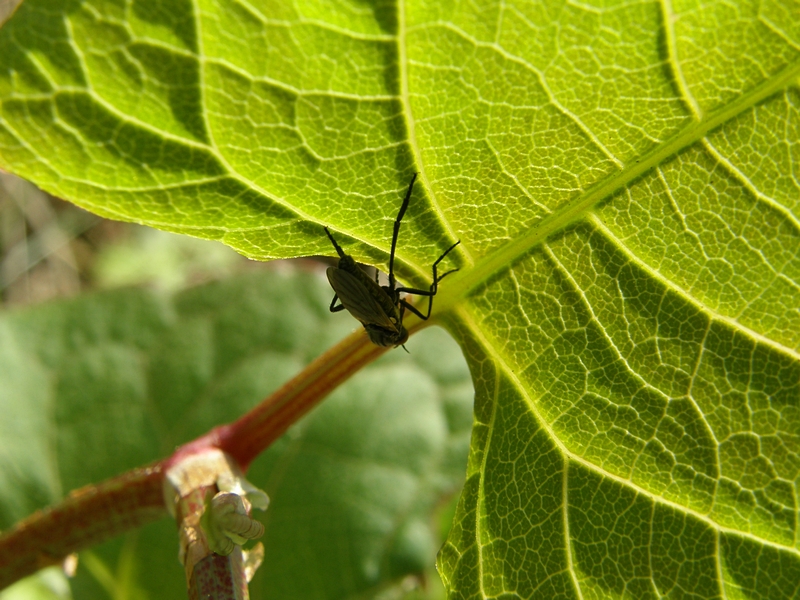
(379, 307)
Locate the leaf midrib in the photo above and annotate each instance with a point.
(462, 283)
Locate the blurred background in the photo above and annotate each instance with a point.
(51, 250)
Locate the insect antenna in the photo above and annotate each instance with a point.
(397, 230)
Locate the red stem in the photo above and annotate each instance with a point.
(86, 517)
(254, 432)
(100, 512)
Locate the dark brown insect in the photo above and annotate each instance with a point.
(379, 308)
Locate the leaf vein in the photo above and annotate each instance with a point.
(754, 335)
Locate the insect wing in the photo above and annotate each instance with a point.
(357, 299)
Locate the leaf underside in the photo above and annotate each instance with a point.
(622, 177)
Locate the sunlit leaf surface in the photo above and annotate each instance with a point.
(622, 177)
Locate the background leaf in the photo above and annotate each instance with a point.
(101, 384)
(621, 176)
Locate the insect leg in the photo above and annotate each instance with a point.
(339, 250)
(430, 293)
(416, 292)
(403, 312)
(434, 289)
(440, 259)
(396, 231)
(405, 304)
(436, 279)
(333, 308)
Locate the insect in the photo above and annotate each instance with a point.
(379, 308)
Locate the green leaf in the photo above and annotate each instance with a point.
(354, 487)
(621, 177)
(97, 385)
